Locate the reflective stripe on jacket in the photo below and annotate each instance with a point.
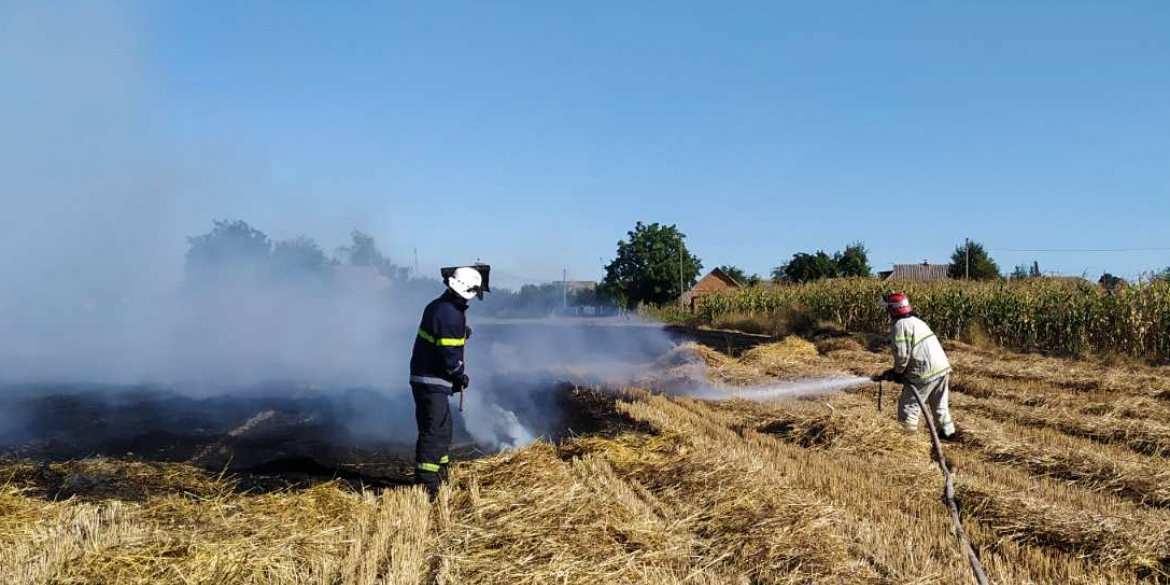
(437, 359)
(917, 351)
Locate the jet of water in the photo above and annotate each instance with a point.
(787, 389)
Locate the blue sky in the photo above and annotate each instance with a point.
(533, 135)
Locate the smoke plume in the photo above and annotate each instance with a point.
(98, 302)
(105, 306)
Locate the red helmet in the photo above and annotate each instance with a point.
(898, 304)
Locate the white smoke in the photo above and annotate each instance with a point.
(97, 202)
(96, 206)
(520, 371)
(497, 427)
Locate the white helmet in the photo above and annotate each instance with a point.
(465, 282)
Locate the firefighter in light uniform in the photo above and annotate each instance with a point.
(919, 364)
(436, 373)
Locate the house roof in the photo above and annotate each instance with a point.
(715, 281)
(1072, 279)
(726, 278)
(921, 272)
(580, 285)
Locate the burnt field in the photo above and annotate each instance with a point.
(270, 437)
(1061, 473)
(278, 434)
(262, 432)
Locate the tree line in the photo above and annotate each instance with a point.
(653, 266)
(234, 250)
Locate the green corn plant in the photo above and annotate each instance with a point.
(1056, 315)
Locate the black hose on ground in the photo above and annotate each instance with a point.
(949, 494)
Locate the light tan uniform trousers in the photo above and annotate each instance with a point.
(936, 394)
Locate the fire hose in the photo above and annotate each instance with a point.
(948, 495)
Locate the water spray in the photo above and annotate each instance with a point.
(788, 389)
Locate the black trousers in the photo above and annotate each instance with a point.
(432, 412)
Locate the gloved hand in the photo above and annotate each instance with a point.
(468, 334)
(461, 384)
(889, 376)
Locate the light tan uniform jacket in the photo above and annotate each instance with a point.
(918, 354)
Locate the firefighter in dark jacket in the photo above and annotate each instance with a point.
(436, 373)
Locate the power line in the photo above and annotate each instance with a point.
(1079, 250)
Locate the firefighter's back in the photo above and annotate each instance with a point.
(928, 361)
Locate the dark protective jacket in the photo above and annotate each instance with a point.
(437, 359)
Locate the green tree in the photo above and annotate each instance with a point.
(806, 268)
(539, 299)
(853, 262)
(1111, 282)
(298, 257)
(982, 267)
(1163, 275)
(736, 273)
(1023, 271)
(584, 296)
(231, 246)
(363, 251)
(647, 266)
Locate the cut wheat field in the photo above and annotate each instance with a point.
(1062, 478)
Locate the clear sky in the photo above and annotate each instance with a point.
(534, 134)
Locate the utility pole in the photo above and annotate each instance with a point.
(680, 270)
(967, 260)
(416, 261)
(565, 286)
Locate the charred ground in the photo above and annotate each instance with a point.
(1062, 477)
(267, 437)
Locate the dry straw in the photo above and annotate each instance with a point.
(1055, 484)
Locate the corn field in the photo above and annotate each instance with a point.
(1042, 314)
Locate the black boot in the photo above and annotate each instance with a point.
(429, 480)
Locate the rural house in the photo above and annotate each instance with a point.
(579, 285)
(361, 279)
(916, 272)
(715, 281)
(1069, 279)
